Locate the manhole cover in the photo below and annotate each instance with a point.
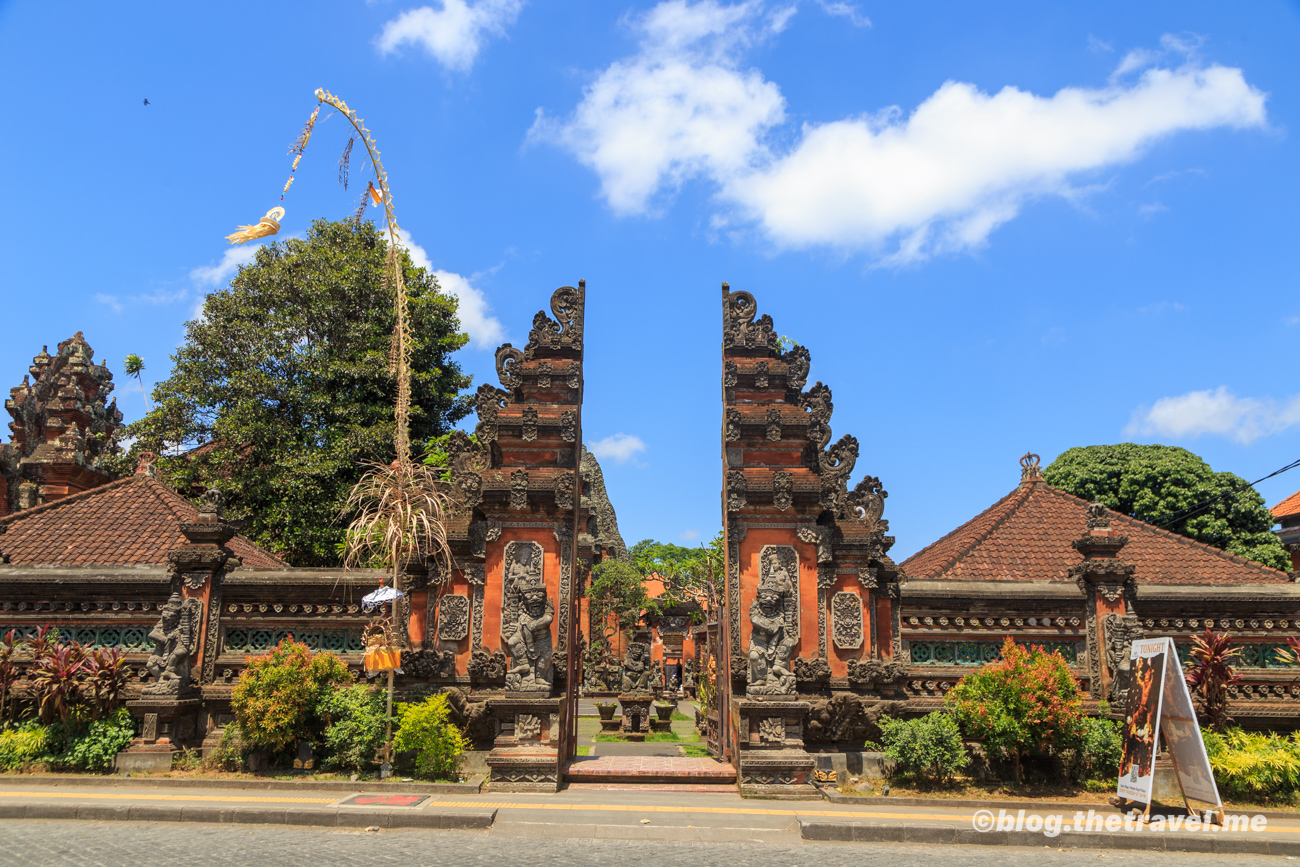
(386, 800)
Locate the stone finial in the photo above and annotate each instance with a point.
(1029, 468)
(211, 504)
(1098, 516)
(147, 465)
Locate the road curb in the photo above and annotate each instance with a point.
(365, 817)
(821, 830)
(472, 786)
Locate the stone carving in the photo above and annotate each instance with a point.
(544, 375)
(836, 464)
(864, 672)
(866, 504)
(526, 615)
(760, 374)
(568, 425)
(798, 363)
(733, 425)
(528, 726)
(593, 490)
(774, 617)
(488, 401)
(480, 533)
(737, 489)
(519, 490)
(782, 490)
(819, 536)
(735, 535)
(487, 668)
(212, 503)
(175, 637)
(773, 424)
(508, 366)
(564, 493)
(574, 377)
(825, 576)
(657, 675)
(566, 331)
(564, 536)
(771, 730)
(1121, 632)
(528, 431)
(1098, 516)
(430, 664)
(846, 620)
(636, 669)
(814, 670)
(729, 377)
(453, 617)
(1029, 467)
(738, 326)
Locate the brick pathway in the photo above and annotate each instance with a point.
(662, 769)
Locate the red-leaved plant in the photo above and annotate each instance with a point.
(1028, 702)
(57, 674)
(104, 674)
(1210, 672)
(9, 647)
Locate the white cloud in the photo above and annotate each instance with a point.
(678, 109)
(485, 330)
(111, 300)
(845, 10)
(453, 33)
(939, 179)
(231, 259)
(688, 535)
(117, 303)
(1293, 320)
(619, 448)
(1244, 419)
(1161, 307)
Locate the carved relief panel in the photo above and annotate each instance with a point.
(846, 620)
(453, 617)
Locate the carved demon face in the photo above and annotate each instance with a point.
(535, 601)
(770, 602)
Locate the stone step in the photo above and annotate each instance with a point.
(649, 769)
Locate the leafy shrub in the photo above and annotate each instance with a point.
(425, 730)
(97, 744)
(355, 721)
(229, 754)
(23, 745)
(1254, 766)
(1210, 672)
(928, 748)
(1096, 751)
(277, 695)
(1026, 703)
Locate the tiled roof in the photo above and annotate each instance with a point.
(1027, 536)
(130, 522)
(1288, 507)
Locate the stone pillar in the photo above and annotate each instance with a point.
(1107, 586)
(186, 640)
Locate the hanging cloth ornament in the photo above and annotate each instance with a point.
(376, 197)
(265, 227)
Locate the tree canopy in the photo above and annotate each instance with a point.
(1160, 484)
(284, 383)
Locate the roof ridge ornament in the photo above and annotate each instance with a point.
(1029, 468)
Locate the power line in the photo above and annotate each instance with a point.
(1199, 507)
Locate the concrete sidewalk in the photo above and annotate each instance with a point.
(632, 813)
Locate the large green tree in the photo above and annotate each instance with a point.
(1161, 485)
(285, 383)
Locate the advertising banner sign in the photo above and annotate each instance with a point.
(1160, 706)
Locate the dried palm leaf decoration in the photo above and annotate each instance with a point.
(344, 162)
(265, 227)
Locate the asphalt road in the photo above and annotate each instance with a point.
(38, 843)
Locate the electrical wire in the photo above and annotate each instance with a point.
(1200, 507)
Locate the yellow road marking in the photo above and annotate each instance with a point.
(133, 797)
(606, 808)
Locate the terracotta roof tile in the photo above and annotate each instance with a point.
(1288, 507)
(1027, 536)
(130, 522)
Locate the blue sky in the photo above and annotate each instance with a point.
(997, 227)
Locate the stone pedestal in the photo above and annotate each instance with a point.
(770, 751)
(636, 715)
(167, 723)
(526, 755)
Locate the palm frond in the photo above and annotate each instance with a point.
(345, 162)
(401, 511)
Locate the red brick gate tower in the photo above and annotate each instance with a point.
(509, 611)
(811, 594)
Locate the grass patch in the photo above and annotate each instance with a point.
(696, 751)
(608, 739)
(681, 717)
(661, 738)
(584, 750)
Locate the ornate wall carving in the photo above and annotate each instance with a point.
(519, 490)
(774, 618)
(782, 491)
(453, 617)
(846, 620)
(526, 616)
